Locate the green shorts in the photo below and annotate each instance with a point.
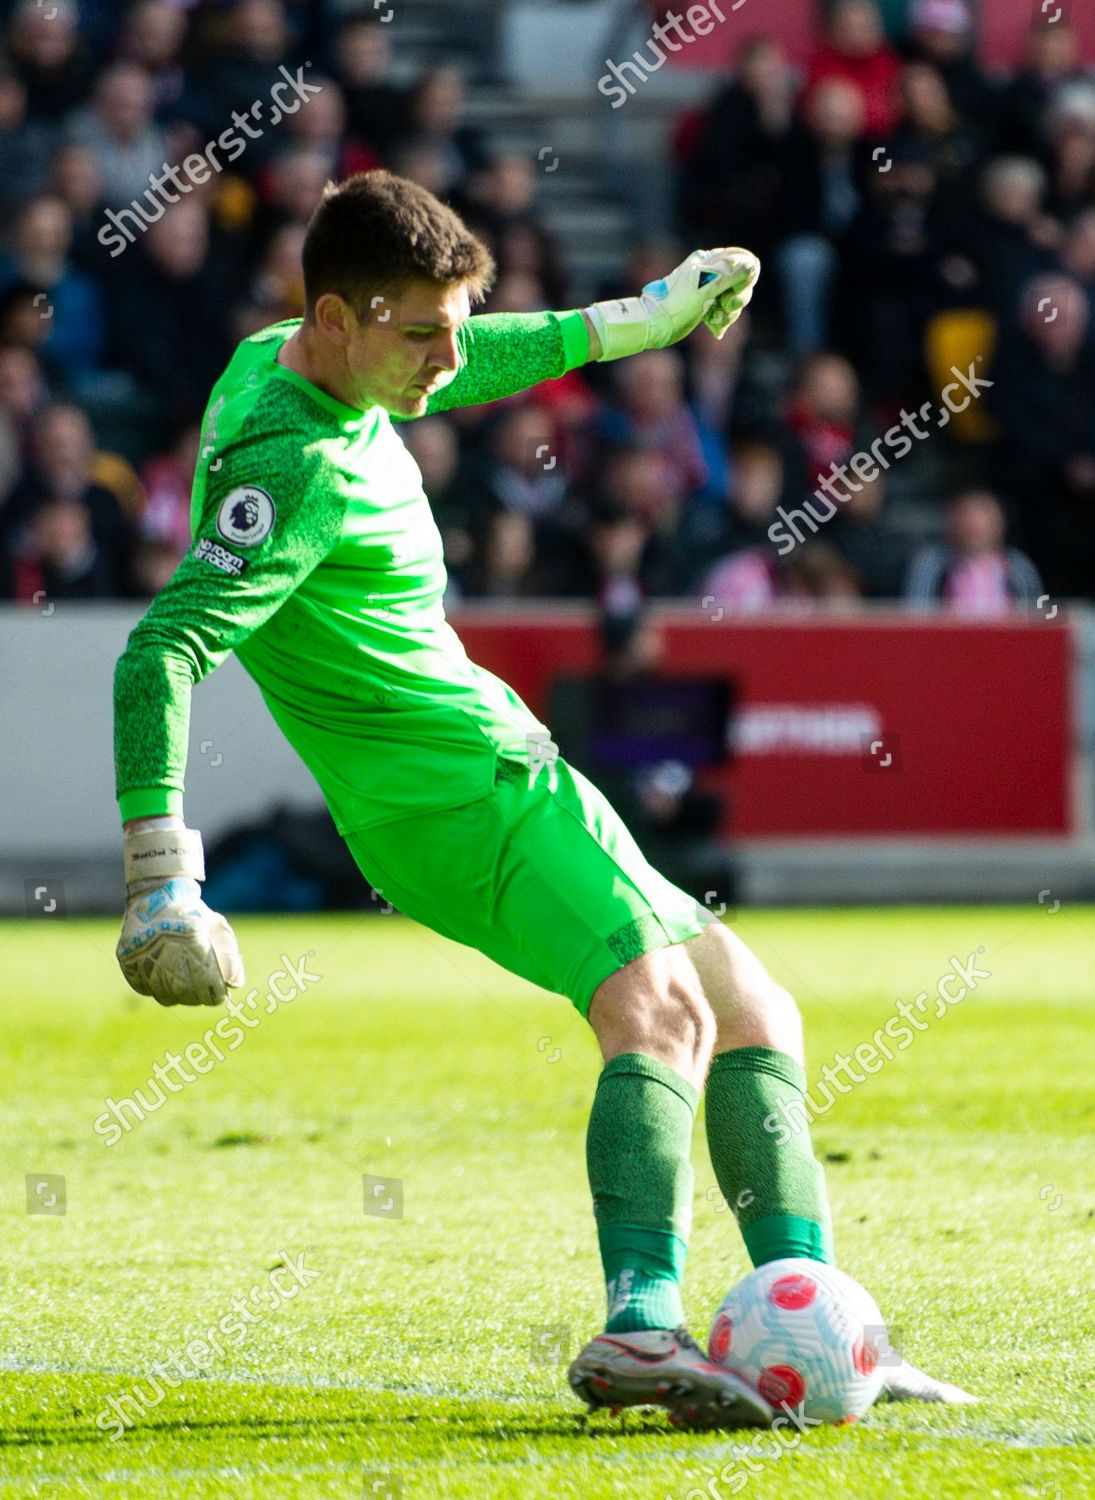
(546, 880)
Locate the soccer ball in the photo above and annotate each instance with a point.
(806, 1336)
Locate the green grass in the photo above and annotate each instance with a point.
(961, 1178)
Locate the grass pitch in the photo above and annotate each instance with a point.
(427, 1357)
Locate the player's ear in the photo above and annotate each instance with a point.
(335, 318)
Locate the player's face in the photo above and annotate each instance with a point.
(406, 349)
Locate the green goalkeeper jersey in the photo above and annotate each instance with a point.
(317, 560)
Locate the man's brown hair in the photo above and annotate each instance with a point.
(374, 232)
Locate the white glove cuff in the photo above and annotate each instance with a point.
(156, 854)
(623, 327)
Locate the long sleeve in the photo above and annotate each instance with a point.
(504, 353)
(265, 526)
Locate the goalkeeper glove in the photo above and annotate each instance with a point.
(172, 946)
(712, 285)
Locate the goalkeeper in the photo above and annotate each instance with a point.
(317, 560)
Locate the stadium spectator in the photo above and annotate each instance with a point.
(505, 556)
(152, 36)
(730, 182)
(823, 419)
(423, 161)
(713, 368)
(633, 547)
(151, 565)
(941, 35)
(435, 447)
(76, 179)
(1070, 140)
(863, 533)
(169, 313)
(517, 291)
(46, 52)
(745, 577)
(55, 555)
(525, 246)
(855, 51)
(118, 128)
(815, 573)
(823, 169)
(25, 145)
(433, 123)
(70, 302)
(167, 479)
(891, 270)
(1052, 59)
(499, 204)
(67, 534)
(292, 186)
(277, 291)
(1006, 239)
(932, 129)
(1045, 397)
(376, 109)
(23, 390)
(322, 128)
(521, 471)
(650, 410)
(972, 572)
(255, 41)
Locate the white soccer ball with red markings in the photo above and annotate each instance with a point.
(806, 1336)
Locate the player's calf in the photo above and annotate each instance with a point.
(766, 1171)
(656, 1031)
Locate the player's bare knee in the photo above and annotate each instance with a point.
(751, 1009)
(677, 1011)
(766, 1016)
(656, 1006)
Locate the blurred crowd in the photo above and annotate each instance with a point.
(918, 221)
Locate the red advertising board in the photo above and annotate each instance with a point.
(883, 726)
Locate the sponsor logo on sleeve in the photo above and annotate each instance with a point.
(246, 516)
(220, 557)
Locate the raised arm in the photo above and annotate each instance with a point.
(503, 353)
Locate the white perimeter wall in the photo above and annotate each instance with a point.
(56, 755)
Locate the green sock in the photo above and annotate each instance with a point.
(767, 1173)
(640, 1132)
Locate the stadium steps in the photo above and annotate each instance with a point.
(586, 191)
(425, 33)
